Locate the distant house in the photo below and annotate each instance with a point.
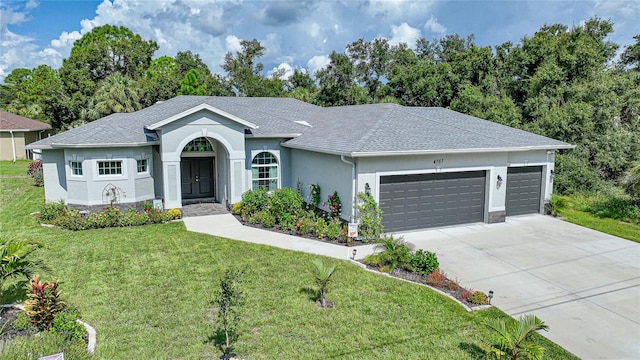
(16, 132)
(425, 166)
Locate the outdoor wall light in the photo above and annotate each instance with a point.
(490, 296)
(367, 189)
(552, 175)
(354, 253)
(499, 183)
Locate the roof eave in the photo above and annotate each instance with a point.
(23, 130)
(84, 146)
(195, 109)
(428, 152)
(460, 151)
(277, 136)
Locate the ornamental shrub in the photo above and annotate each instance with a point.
(287, 222)
(44, 301)
(65, 324)
(134, 218)
(334, 229)
(395, 252)
(436, 278)
(424, 262)
(109, 217)
(72, 220)
(478, 298)
(314, 196)
(50, 211)
(320, 228)
(175, 214)
(236, 209)
(286, 202)
(306, 223)
(35, 171)
(370, 223)
(254, 201)
(335, 205)
(266, 218)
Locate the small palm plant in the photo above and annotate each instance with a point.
(515, 338)
(17, 259)
(322, 274)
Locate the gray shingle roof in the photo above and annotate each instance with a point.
(359, 130)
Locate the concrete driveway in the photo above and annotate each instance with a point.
(584, 284)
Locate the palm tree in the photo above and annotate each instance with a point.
(17, 259)
(515, 337)
(117, 94)
(322, 274)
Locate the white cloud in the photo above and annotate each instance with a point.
(66, 39)
(233, 43)
(434, 26)
(284, 69)
(317, 62)
(404, 34)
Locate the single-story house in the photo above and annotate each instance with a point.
(16, 132)
(425, 166)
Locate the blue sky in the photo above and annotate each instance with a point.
(297, 34)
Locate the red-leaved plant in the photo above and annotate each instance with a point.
(43, 302)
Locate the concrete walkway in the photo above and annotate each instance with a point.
(226, 225)
(584, 284)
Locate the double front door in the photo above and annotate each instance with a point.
(197, 177)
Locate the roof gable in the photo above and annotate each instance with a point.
(203, 106)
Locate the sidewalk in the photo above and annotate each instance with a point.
(227, 226)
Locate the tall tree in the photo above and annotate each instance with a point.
(338, 83)
(192, 84)
(117, 93)
(244, 71)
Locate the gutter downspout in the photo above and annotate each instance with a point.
(13, 145)
(353, 187)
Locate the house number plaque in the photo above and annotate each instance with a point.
(438, 161)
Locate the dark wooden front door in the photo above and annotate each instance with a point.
(197, 177)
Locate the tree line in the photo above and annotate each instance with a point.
(565, 83)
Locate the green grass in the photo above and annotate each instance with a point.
(148, 290)
(572, 213)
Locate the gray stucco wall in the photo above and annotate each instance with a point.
(89, 189)
(326, 170)
(55, 179)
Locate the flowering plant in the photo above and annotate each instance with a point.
(335, 205)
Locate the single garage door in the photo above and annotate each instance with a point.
(524, 185)
(427, 200)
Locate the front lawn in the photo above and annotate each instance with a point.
(147, 291)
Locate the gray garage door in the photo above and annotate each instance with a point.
(523, 190)
(428, 200)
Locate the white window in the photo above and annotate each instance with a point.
(264, 171)
(76, 168)
(110, 167)
(143, 165)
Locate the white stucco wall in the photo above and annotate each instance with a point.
(229, 134)
(326, 170)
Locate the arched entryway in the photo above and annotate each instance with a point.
(199, 170)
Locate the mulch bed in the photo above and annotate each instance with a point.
(276, 228)
(447, 286)
(7, 316)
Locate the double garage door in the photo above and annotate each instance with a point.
(429, 200)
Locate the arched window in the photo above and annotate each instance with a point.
(200, 144)
(264, 171)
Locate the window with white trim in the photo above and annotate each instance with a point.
(110, 167)
(200, 144)
(143, 165)
(264, 171)
(76, 168)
